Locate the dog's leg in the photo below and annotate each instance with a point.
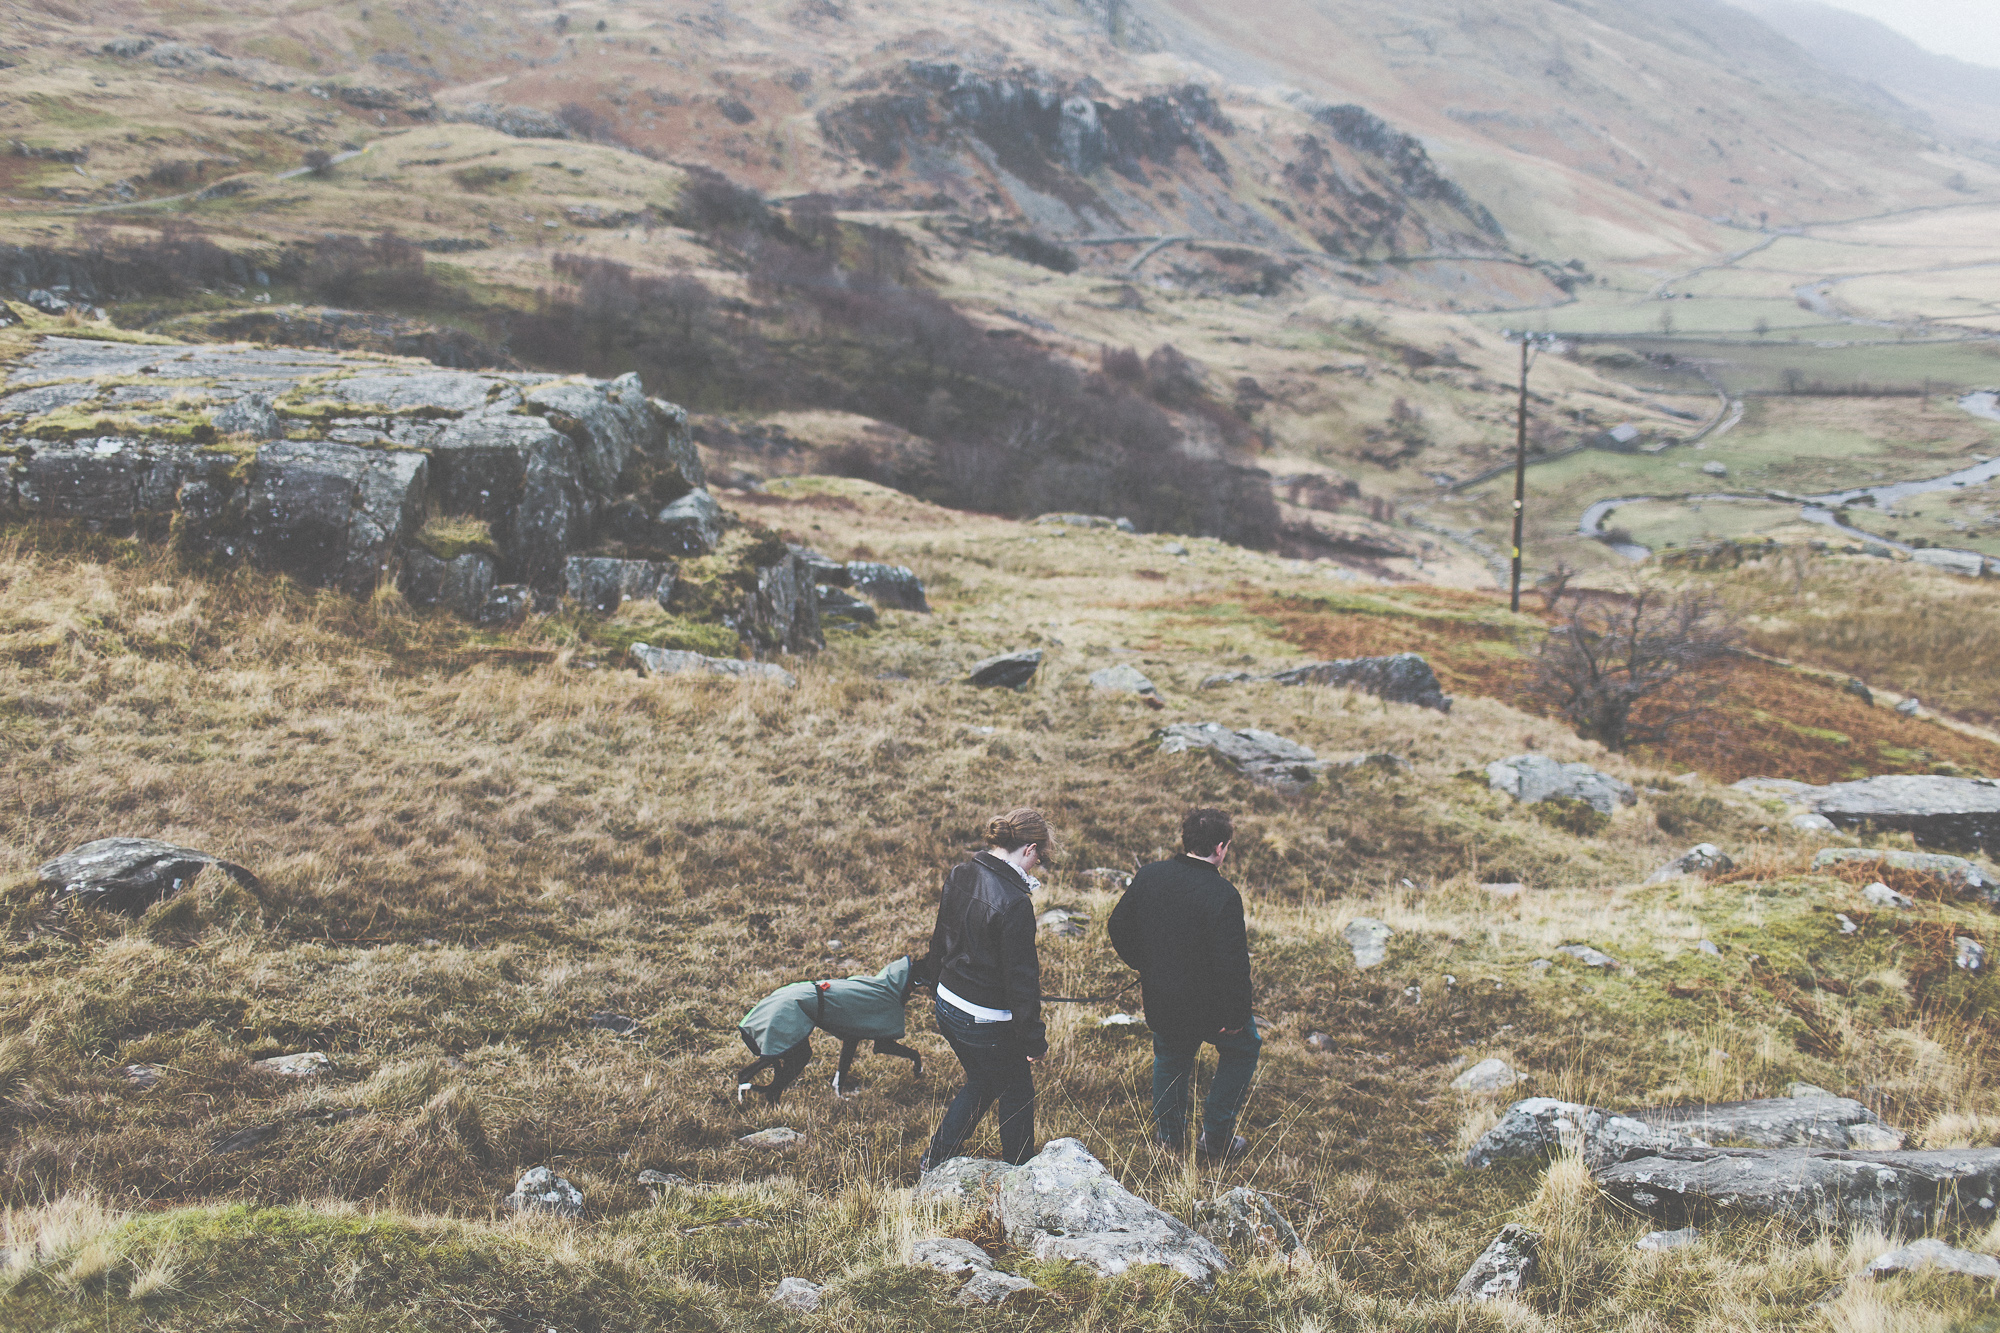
(790, 1064)
(746, 1076)
(888, 1046)
(840, 1075)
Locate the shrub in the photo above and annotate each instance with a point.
(1633, 670)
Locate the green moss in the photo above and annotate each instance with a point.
(1580, 818)
(449, 538)
(666, 631)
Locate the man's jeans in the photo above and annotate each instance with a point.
(1173, 1070)
(996, 1069)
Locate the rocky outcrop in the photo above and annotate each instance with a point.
(691, 525)
(1405, 678)
(523, 122)
(334, 514)
(1778, 1122)
(1959, 814)
(984, 1284)
(462, 585)
(782, 614)
(128, 874)
(603, 584)
(1088, 521)
(1064, 1204)
(1892, 1191)
(1536, 777)
(1259, 755)
(1542, 1127)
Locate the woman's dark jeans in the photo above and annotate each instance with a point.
(996, 1069)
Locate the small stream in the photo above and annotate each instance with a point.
(1820, 508)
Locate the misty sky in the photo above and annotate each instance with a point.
(1968, 29)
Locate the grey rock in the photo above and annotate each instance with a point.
(1811, 823)
(524, 477)
(1369, 939)
(1542, 1127)
(1260, 755)
(1907, 1191)
(128, 874)
(1009, 671)
(669, 662)
(523, 122)
(1933, 1253)
(1088, 521)
(676, 461)
(1910, 707)
(1952, 813)
(962, 1180)
(1536, 777)
(1122, 679)
(609, 422)
(951, 1256)
(34, 402)
(250, 415)
(1487, 1076)
(540, 1190)
(1964, 877)
(300, 1064)
(1063, 1204)
(1704, 858)
(435, 391)
(837, 606)
(1668, 1240)
(691, 525)
(1503, 1268)
(1859, 691)
(507, 604)
(1403, 678)
(1590, 957)
(795, 1293)
(1972, 564)
(1381, 761)
(1879, 894)
(333, 514)
(1784, 789)
(776, 1139)
(1848, 926)
(1063, 923)
(116, 481)
(992, 1288)
(1174, 548)
(1708, 947)
(1222, 678)
(1540, 966)
(1246, 1222)
(1970, 955)
(782, 615)
(890, 586)
(1778, 1122)
(662, 1180)
(824, 567)
(141, 1077)
(604, 584)
(462, 585)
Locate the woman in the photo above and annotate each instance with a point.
(989, 986)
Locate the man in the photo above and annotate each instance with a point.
(1180, 926)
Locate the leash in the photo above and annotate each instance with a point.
(1089, 999)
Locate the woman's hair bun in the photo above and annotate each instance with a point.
(1019, 827)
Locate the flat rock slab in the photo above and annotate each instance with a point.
(1541, 1127)
(128, 874)
(1503, 1268)
(1906, 1191)
(1260, 755)
(1529, 778)
(1779, 1122)
(672, 662)
(1404, 678)
(1122, 679)
(1957, 813)
(1369, 939)
(1933, 1253)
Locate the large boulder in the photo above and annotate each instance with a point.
(1064, 1204)
(609, 422)
(1259, 755)
(333, 514)
(462, 585)
(115, 482)
(1536, 777)
(782, 615)
(1405, 678)
(1891, 1191)
(1963, 876)
(603, 584)
(524, 478)
(691, 525)
(890, 586)
(128, 874)
(1543, 1127)
(1959, 813)
(1778, 1122)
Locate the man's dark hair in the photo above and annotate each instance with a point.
(1204, 830)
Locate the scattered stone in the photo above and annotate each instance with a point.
(1319, 1041)
(1971, 954)
(1540, 966)
(1380, 761)
(782, 615)
(462, 585)
(128, 875)
(951, 1256)
(618, 1024)
(670, 662)
(1369, 939)
(603, 585)
(1222, 678)
(992, 1287)
(691, 525)
(1503, 1268)
(1879, 894)
(1708, 947)
(662, 1180)
(1714, 469)
(1910, 707)
(141, 1077)
(795, 1293)
(1259, 755)
(1174, 548)
(1859, 691)
(1778, 1122)
(1088, 521)
(890, 586)
(1811, 823)
(1245, 1221)
(1590, 957)
(775, 1139)
(1063, 923)
(1487, 1076)
(1846, 923)
(1892, 1191)
(1936, 811)
(1122, 679)
(540, 1190)
(1509, 889)
(1933, 1253)
(1543, 1127)
(1009, 671)
(304, 1064)
(1529, 778)
(1404, 678)
(1063, 1204)
(1967, 879)
(1668, 1240)
(837, 606)
(1704, 858)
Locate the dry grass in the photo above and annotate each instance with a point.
(462, 864)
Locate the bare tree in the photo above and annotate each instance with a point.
(1632, 671)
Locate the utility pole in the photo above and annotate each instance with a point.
(1528, 340)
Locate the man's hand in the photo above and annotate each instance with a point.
(1228, 1032)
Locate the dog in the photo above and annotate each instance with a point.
(778, 1029)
